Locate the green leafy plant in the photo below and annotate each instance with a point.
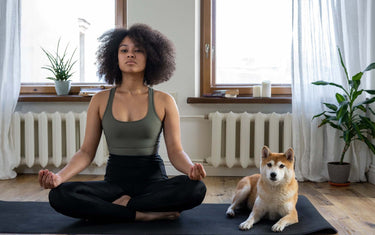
(349, 116)
(60, 65)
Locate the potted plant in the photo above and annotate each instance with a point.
(61, 67)
(349, 117)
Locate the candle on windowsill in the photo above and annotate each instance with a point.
(257, 91)
(266, 89)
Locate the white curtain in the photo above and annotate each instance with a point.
(9, 80)
(319, 27)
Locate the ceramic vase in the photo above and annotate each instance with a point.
(62, 87)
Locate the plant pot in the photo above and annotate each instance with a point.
(339, 173)
(62, 87)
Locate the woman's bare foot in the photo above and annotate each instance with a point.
(122, 201)
(148, 216)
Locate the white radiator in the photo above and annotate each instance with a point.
(238, 138)
(51, 138)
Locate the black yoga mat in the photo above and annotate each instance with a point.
(39, 217)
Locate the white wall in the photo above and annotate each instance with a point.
(179, 21)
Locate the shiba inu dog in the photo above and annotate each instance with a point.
(272, 193)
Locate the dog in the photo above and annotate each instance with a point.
(273, 192)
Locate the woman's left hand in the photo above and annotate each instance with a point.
(197, 172)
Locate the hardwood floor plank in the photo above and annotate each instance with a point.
(311, 191)
(220, 189)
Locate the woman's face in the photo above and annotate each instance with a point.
(131, 57)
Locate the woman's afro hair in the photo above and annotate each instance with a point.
(160, 52)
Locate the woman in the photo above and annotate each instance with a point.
(132, 116)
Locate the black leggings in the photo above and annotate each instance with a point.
(143, 178)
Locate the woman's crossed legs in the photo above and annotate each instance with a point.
(102, 200)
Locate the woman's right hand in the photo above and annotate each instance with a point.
(197, 172)
(49, 180)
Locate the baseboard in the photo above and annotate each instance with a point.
(371, 174)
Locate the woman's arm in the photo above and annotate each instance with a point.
(172, 136)
(84, 156)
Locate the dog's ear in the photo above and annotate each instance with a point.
(289, 154)
(265, 152)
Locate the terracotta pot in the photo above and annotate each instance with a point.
(338, 173)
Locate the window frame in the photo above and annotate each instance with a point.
(207, 59)
(29, 89)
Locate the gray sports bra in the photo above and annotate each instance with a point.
(132, 138)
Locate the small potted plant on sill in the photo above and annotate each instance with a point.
(349, 117)
(61, 67)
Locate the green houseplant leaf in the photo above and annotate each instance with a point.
(370, 67)
(340, 98)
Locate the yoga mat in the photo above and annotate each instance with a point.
(39, 217)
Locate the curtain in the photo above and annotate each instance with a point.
(9, 81)
(319, 28)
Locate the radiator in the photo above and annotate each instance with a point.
(238, 138)
(50, 138)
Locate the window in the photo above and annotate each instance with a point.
(77, 23)
(245, 42)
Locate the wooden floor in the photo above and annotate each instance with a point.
(351, 210)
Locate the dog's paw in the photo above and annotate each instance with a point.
(230, 212)
(246, 225)
(278, 227)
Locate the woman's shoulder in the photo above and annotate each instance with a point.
(163, 96)
(101, 96)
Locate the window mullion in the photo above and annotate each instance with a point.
(206, 43)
